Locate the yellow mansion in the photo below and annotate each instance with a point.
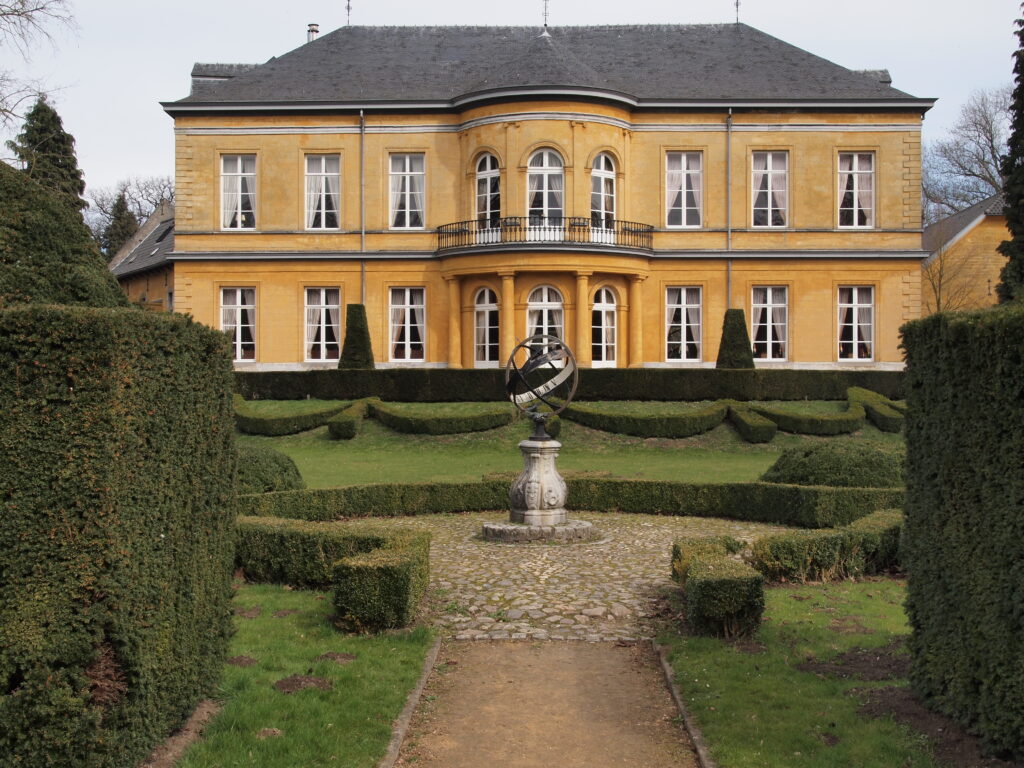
(619, 187)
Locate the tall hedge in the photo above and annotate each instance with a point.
(116, 496)
(735, 351)
(356, 352)
(965, 518)
(47, 255)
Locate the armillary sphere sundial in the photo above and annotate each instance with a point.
(540, 380)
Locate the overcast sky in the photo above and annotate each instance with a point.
(124, 56)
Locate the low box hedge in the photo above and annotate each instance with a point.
(752, 426)
(345, 424)
(843, 463)
(686, 421)
(440, 418)
(378, 575)
(307, 415)
(263, 469)
(484, 385)
(787, 420)
(868, 545)
(881, 411)
(803, 506)
(724, 596)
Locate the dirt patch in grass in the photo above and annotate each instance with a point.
(886, 663)
(241, 661)
(167, 754)
(283, 613)
(848, 625)
(299, 682)
(751, 647)
(950, 743)
(269, 733)
(248, 613)
(337, 658)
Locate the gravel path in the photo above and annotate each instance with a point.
(612, 589)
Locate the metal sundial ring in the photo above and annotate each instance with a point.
(524, 385)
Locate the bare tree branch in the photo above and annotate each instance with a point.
(23, 23)
(142, 193)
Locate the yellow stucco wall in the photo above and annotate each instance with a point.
(637, 140)
(150, 289)
(964, 275)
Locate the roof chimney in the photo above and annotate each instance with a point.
(312, 32)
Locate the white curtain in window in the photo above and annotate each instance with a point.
(693, 190)
(779, 188)
(760, 172)
(312, 332)
(845, 180)
(555, 195)
(314, 192)
(230, 201)
(416, 200)
(864, 189)
(864, 330)
(398, 332)
(229, 318)
(397, 190)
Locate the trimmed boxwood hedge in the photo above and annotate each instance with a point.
(683, 423)
(117, 498)
(734, 350)
(249, 419)
(414, 418)
(965, 518)
(345, 424)
(357, 351)
(484, 385)
(881, 411)
(868, 545)
(847, 421)
(753, 427)
(724, 596)
(263, 469)
(807, 507)
(840, 463)
(378, 575)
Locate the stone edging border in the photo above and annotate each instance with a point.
(405, 718)
(691, 727)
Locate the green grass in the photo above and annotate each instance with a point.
(646, 407)
(756, 710)
(805, 406)
(348, 725)
(445, 410)
(276, 408)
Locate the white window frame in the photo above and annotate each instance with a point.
(776, 183)
(604, 322)
(855, 305)
(237, 176)
(685, 180)
(488, 187)
(486, 321)
(776, 298)
(860, 181)
(317, 316)
(406, 323)
(233, 298)
(684, 323)
(546, 314)
(319, 192)
(401, 190)
(546, 225)
(604, 194)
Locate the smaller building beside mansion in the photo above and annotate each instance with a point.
(619, 187)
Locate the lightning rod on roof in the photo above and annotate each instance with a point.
(737, 11)
(348, 13)
(545, 16)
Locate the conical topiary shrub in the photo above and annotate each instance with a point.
(734, 351)
(357, 351)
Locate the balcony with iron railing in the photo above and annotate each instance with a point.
(572, 231)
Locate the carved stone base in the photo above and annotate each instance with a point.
(538, 495)
(512, 533)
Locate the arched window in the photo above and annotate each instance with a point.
(488, 197)
(602, 329)
(602, 199)
(544, 314)
(485, 336)
(545, 184)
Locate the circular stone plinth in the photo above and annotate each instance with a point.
(515, 533)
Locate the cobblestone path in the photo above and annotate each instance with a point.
(610, 589)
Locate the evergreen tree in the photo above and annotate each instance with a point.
(356, 352)
(47, 152)
(1011, 279)
(122, 226)
(735, 351)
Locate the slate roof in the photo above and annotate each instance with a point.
(444, 66)
(150, 253)
(941, 232)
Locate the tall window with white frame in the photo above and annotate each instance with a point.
(238, 321)
(323, 324)
(856, 322)
(545, 186)
(488, 192)
(238, 192)
(770, 184)
(683, 189)
(602, 199)
(856, 189)
(603, 329)
(408, 174)
(770, 322)
(485, 330)
(683, 324)
(544, 315)
(323, 191)
(408, 324)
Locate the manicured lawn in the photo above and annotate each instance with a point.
(276, 408)
(806, 406)
(757, 710)
(379, 454)
(347, 725)
(647, 407)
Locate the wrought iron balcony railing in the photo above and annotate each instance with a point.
(575, 230)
